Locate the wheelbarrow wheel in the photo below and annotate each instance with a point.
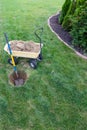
(33, 63)
(10, 61)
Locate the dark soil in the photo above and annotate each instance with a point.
(63, 34)
(55, 25)
(18, 79)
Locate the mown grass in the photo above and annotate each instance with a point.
(55, 94)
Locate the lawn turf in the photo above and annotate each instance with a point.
(55, 94)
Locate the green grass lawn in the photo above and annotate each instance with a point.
(55, 94)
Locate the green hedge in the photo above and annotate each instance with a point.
(75, 21)
(79, 27)
(64, 10)
(67, 22)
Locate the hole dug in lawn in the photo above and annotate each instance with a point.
(18, 80)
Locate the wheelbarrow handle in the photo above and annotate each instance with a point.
(39, 35)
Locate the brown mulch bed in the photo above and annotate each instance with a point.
(57, 28)
(64, 35)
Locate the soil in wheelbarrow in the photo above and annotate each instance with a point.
(26, 46)
(18, 79)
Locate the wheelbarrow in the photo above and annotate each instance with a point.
(33, 56)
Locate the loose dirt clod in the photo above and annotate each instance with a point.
(20, 80)
(26, 46)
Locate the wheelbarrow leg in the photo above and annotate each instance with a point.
(40, 57)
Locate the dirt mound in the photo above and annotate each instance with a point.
(26, 46)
